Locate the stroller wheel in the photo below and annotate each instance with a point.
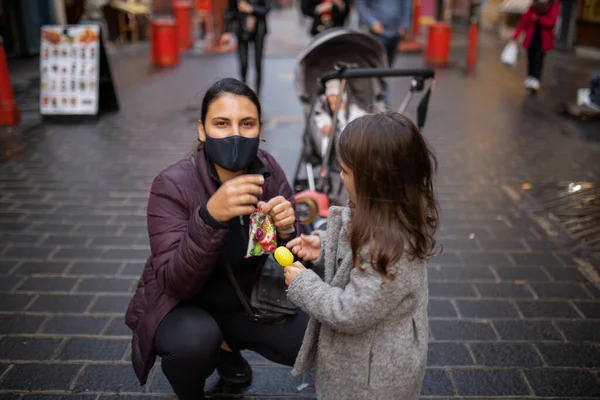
(306, 210)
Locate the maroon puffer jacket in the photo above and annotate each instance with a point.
(184, 248)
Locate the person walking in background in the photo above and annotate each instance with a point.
(93, 10)
(388, 20)
(248, 20)
(326, 13)
(538, 23)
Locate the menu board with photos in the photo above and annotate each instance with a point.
(70, 70)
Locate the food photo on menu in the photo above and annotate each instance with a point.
(69, 70)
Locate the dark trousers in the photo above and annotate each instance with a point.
(188, 341)
(391, 47)
(258, 39)
(535, 56)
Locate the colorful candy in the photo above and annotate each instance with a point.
(262, 238)
(284, 257)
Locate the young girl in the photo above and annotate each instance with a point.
(538, 23)
(367, 336)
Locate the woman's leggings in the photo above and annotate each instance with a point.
(188, 341)
(535, 55)
(243, 46)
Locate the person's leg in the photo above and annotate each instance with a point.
(243, 58)
(537, 56)
(259, 42)
(391, 48)
(539, 66)
(530, 60)
(188, 341)
(278, 343)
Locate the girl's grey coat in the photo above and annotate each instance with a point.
(367, 338)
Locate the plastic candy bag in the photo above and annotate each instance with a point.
(263, 236)
(510, 54)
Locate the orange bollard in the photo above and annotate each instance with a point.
(9, 111)
(438, 45)
(165, 46)
(183, 18)
(472, 49)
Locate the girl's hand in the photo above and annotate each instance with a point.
(306, 247)
(282, 212)
(292, 272)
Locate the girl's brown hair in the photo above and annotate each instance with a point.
(396, 210)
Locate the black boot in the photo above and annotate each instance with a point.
(233, 368)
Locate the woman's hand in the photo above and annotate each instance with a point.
(323, 8)
(282, 212)
(235, 197)
(340, 5)
(292, 272)
(306, 247)
(225, 39)
(245, 7)
(377, 28)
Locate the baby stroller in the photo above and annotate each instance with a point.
(358, 61)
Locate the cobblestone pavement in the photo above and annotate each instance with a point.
(512, 313)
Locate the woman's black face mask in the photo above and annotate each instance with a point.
(232, 153)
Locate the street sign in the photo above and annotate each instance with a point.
(74, 72)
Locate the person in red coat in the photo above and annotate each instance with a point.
(538, 24)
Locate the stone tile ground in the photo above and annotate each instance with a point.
(511, 314)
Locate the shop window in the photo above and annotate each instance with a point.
(590, 11)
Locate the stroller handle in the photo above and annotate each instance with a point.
(354, 73)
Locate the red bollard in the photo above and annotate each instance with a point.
(203, 11)
(416, 28)
(218, 8)
(9, 111)
(165, 46)
(410, 44)
(472, 49)
(438, 45)
(183, 18)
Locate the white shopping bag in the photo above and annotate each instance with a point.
(509, 54)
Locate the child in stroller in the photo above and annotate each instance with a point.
(325, 110)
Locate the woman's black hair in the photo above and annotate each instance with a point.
(225, 86)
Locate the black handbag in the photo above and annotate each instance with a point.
(268, 302)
